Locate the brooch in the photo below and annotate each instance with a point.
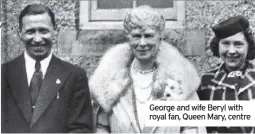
(234, 74)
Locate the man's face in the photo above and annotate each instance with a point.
(37, 34)
(233, 51)
(144, 43)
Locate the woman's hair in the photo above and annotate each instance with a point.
(143, 16)
(214, 45)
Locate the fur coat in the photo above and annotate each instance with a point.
(111, 86)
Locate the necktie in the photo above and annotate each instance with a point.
(36, 83)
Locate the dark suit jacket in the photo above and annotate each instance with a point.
(63, 104)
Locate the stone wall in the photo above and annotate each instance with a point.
(70, 40)
(66, 18)
(204, 14)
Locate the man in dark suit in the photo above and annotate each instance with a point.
(40, 92)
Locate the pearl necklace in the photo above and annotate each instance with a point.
(140, 74)
(144, 71)
(143, 101)
(142, 82)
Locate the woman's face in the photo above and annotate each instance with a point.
(233, 51)
(144, 43)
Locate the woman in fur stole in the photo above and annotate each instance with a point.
(132, 73)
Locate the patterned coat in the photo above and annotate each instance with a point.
(218, 84)
(115, 96)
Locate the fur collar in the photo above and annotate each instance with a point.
(106, 86)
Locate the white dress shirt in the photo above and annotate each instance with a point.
(30, 66)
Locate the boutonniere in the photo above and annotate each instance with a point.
(58, 81)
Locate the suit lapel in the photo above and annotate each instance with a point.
(52, 83)
(20, 88)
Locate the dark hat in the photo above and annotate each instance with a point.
(230, 26)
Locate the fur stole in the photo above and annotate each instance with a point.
(107, 86)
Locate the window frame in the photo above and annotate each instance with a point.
(87, 22)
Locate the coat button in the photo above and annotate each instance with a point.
(33, 107)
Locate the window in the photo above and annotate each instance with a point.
(109, 14)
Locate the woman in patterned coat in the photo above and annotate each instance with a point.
(234, 79)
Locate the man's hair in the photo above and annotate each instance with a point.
(143, 16)
(35, 9)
